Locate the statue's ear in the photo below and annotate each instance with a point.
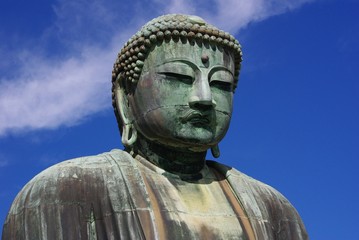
(129, 133)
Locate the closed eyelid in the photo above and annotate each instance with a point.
(175, 67)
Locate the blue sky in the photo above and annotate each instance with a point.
(296, 115)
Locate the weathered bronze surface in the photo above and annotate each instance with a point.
(173, 85)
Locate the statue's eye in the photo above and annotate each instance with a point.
(222, 80)
(177, 77)
(225, 86)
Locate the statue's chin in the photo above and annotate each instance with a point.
(187, 137)
(181, 143)
(185, 146)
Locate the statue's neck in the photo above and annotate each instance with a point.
(173, 160)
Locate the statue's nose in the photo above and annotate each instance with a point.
(201, 95)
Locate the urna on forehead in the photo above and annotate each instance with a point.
(179, 28)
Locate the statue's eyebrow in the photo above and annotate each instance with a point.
(194, 66)
(180, 60)
(220, 67)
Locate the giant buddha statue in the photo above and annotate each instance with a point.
(172, 90)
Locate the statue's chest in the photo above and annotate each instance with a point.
(192, 210)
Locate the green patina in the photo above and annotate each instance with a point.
(181, 101)
(182, 96)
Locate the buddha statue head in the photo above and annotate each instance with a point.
(173, 84)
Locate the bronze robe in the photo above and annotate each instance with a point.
(105, 197)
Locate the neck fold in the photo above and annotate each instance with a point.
(178, 161)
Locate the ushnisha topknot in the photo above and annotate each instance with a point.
(176, 27)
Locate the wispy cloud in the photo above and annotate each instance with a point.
(233, 15)
(247, 11)
(49, 93)
(63, 87)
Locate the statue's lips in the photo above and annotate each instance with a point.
(195, 117)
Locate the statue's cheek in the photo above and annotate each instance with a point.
(222, 122)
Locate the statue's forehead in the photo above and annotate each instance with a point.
(167, 52)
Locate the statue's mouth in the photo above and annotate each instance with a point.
(196, 118)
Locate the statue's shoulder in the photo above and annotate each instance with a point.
(268, 210)
(87, 163)
(63, 201)
(71, 180)
(78, 169)
(249, 185)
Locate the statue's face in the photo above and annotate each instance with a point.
(183, 98)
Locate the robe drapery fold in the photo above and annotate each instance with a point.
(105, 197)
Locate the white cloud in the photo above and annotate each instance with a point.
(49, 91)
(232, 15)
(48, 94)
(243, 12)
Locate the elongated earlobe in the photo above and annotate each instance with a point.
(129, 135)
(215, 151)
(129, 132)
